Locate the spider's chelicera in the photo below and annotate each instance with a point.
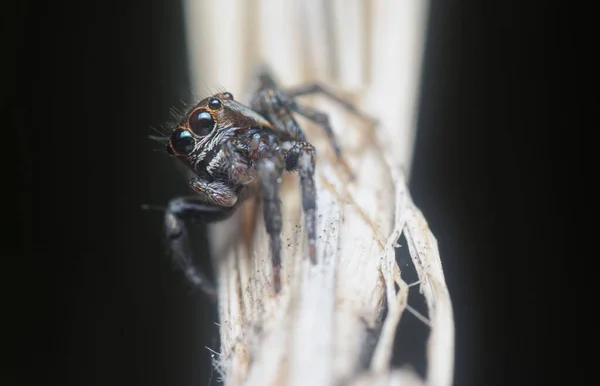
(235, 152)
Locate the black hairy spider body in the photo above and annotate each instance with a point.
(235, 152)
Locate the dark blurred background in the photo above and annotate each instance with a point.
(90, 298)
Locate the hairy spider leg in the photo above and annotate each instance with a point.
(270, 166)
(180, 210)
(317, 88)
(301, 157)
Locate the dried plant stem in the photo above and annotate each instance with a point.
(327, 326)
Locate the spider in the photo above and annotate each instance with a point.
(235, 152)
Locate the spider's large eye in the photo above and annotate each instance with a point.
(182, 142)
(214, 104)
(201, 122)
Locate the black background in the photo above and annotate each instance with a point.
(88, 294)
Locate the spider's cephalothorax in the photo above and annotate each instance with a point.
(234, 152)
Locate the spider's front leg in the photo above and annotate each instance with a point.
(270, 166)
(207, 207)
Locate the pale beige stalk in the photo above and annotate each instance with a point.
(315, 331)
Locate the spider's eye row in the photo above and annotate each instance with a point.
(201, 122)
(214, 104)
(182, 142)
(228, 95)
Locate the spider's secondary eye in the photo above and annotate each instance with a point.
(182, 142)
(201, 122)
(228, 95)
(214, 104)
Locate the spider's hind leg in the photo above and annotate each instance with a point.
(278, 107)
(317, 88)
(322, 120)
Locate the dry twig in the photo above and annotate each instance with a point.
(327, 326)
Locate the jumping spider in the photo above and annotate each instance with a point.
(235, 152)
